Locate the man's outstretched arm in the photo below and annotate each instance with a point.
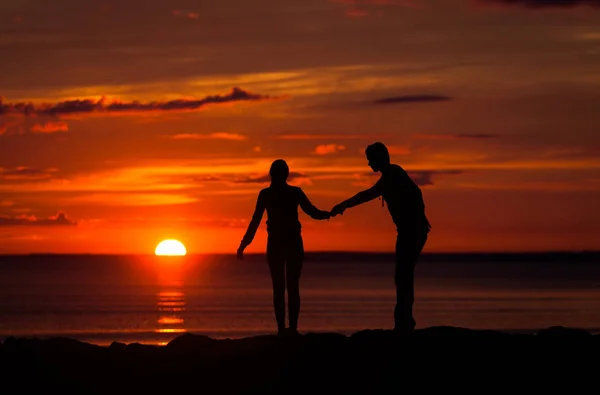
(253, 225)
(310, 209)
(359, 198)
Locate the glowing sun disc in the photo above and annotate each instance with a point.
(170, 247)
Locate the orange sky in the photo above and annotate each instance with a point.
(146, 120)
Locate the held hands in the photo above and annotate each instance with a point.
(337, 210)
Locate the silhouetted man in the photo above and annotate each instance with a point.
(406, 206)
(285, 248)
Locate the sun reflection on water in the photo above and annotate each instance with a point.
(170, 306)
(171, 303)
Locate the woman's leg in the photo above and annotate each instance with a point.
(294, 262)
(276, 262)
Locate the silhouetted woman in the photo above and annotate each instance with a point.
(285, 248)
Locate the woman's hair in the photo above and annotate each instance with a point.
(279, 171)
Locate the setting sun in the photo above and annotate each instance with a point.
(170, 248)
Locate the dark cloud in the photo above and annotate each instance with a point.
(546, 3)
(19, 174)
(412, 99)
(423, 177)
(420, 177)
(59, 220)
(475, 136)
(87, 106)
(266, 178)
(188, 222)
(363, 8)
(209, 136)
(203, 178)
(458, 136)
(221, 223)
(232, 178)
(329, 136)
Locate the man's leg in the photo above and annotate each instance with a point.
(294, 263)
(276, 262)
(408, 250)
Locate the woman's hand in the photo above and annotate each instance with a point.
(240, 253)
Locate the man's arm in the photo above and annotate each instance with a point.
(254, 222)
(310, 209)
(360, 198)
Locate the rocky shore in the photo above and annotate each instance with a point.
(367, 362)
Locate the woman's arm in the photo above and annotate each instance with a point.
(310, 209)
(254, 222)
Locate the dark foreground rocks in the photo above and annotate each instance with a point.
(371, 361)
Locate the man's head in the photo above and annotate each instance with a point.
(279, 171)
(378, 156)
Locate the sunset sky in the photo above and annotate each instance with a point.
(125, 123)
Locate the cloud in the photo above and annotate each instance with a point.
(459, 136)
(186, 14)
(132, 198)
(326, 149)
(354, 12)
(267, 178)
(181, 221)
(363, 8)
(412, 99)
(397, 150)
(544, 3)
(381, 3)
(423, 177)
(59, 219)
(89, 106)
(23, 173)
(329, 136)
(50, 127)
(392, 149)
(535, 185)
(589, 36)
(222, 223)
(209, 136)
(10, 125)
(232, 178)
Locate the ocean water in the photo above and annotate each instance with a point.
(147, 299)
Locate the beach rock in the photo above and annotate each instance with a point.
(117, 346)
(368, 361)
(563, 331)
(457, 331)
(191, 342)
(51, 345)
(8, 341)
(139, 349)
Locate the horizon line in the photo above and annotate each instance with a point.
(326, 252)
